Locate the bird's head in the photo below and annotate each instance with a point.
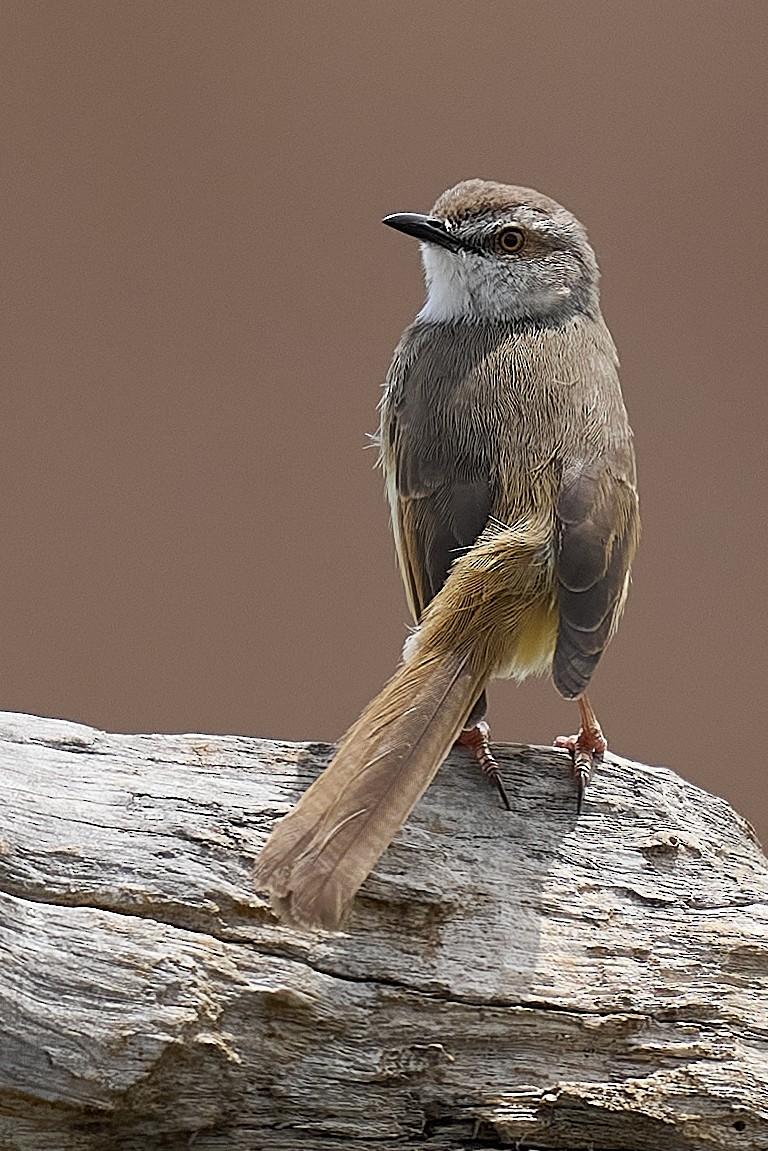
(494, 252)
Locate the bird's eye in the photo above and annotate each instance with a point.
(510, 239)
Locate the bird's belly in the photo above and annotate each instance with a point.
(532, 651)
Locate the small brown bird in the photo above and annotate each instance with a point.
(510, 473)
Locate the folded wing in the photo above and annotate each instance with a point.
(600, 525)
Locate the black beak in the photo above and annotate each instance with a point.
(423, 228)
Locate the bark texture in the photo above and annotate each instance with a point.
(520, 979)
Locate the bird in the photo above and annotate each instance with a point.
(509, 469)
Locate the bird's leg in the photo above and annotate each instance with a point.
(476, 736)
(587, 748)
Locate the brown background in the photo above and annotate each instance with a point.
(200, 306)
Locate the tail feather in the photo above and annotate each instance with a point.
(318, 856)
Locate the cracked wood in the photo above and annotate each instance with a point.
(505, 977)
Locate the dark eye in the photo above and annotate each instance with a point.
(510, 239)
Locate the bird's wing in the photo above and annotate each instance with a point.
(600, 525)
(439, 507)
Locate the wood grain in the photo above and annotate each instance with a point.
(504, 978)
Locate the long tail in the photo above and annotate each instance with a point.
(318, 856)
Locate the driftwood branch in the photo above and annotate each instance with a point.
(505, 979)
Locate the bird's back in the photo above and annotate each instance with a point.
(478, 424)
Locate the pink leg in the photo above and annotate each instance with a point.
(477, 739)
(587, 748)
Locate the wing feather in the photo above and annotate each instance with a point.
(600, 525)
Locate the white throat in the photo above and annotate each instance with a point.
(448, 289)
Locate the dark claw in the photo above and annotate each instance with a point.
(501, 790)
(583, 766)
(582, 779)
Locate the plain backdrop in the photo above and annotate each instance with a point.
(200, 304)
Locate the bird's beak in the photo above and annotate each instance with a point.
(423, 228)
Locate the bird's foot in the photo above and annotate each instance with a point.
(477, 739)
(587, 749)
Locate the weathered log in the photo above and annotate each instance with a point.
(524, 979)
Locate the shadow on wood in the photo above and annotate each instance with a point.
(504, 980)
